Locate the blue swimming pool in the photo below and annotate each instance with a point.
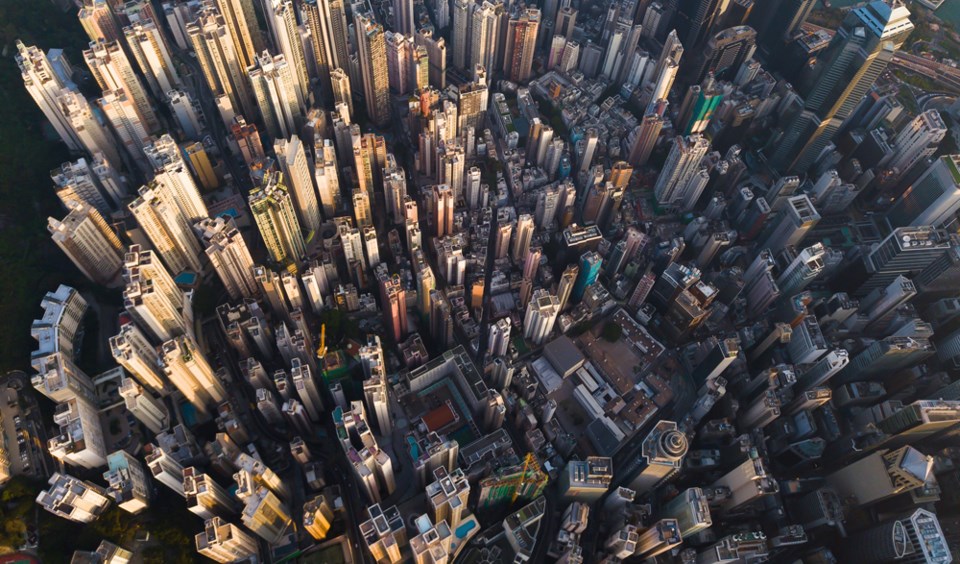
(464, 530)
(186, 278)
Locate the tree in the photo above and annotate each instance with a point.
(18, 488)
(612, 332)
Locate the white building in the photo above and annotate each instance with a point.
(127, 482)
(277, 95)
(80, 442)
(229, 255)
(73, 499)
(541, 315)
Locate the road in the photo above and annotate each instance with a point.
(945, 75)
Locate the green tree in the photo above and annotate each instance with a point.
(612, 332)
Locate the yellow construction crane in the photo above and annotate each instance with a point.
(322, 349)
(529, 463)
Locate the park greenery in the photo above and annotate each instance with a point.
(16, 508)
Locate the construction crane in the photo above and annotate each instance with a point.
(529, 463)
(322, 349)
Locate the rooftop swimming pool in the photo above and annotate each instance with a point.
(464, 529)
(186, 278)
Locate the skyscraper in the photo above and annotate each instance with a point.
(819, 373)
(403, 15)
(437, 55)
(566, 21)
(340, 84)
(778, 21)
(317, 517)
(790, 226)
(149, 49)
(127, 482)
(565, 286)
(521, 44)
(384, 533)
(460, 36)
(662, 453)
(914, 537)
(73, 499)
(265, 514)
(248, 138)
(224, 542)
(80, 441)
(283, 23)
(540, 317)
(205, 497)
(292, 158)
(443, 207)
(276, 91)
(74, 182)
(906, 251)
(802, 270)
(167, 228)
(660, 537)
(316, 19)
(112, 71)
(644, 137)
(229, 256)
(133, 351)
(307, 389)
(98, 20)
(395, 190)
(240, 19)
(498, 337)
(699, 105)
(121, 112)
(91, 133)
(859, 52)
(224, 64)
(691, 511)
(394, 307)
(917, 140)
(484, 34)
(727, 51)
(447, 496)
(375, 390)
(187, 368)
(274, 211)
(933, 199)
(339, 44)
(586, 148)
(361, 209)
(882, 475)
(586, 480)
(399, 61)
(674, 187)
(373, 65)
(918, 420)
(152, 297)
(326, 176)
(694, 19)
(146, 408)
(450, 165)
(370, 158)
(522, 237)
(173, 179)
(590, 263)
(420, 68)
